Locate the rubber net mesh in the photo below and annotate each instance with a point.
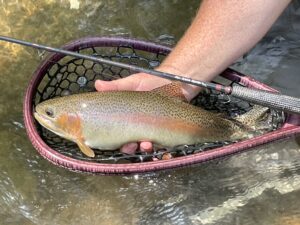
(70, 75)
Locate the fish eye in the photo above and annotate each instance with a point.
(49, 112)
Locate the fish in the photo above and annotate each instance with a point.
(108, 120)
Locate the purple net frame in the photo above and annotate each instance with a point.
(290, 127)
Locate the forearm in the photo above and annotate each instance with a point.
(222, 31)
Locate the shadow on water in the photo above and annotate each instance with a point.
(257, 187)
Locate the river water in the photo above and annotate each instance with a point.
(261, 186)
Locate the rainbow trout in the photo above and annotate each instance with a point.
(108, 120)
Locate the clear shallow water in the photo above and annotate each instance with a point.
(261, 186)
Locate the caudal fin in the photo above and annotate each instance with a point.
(250, 118)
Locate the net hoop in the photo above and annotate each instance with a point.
(290, 127)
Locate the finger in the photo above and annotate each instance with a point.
(146, 146)
(129, 148)
(128, 83)
(101, 85)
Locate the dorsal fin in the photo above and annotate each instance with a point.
(173, 89)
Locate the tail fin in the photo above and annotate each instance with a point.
(254, 115)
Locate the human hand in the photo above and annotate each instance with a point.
(135, 82)
(143, 82)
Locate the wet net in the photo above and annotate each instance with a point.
(69, 75)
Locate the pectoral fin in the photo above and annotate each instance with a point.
(85, 149)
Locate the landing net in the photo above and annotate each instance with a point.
(69, 75)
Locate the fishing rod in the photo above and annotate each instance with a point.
(261, 97)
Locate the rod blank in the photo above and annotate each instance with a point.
(112, 63)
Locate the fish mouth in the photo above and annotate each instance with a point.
(47, 122)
